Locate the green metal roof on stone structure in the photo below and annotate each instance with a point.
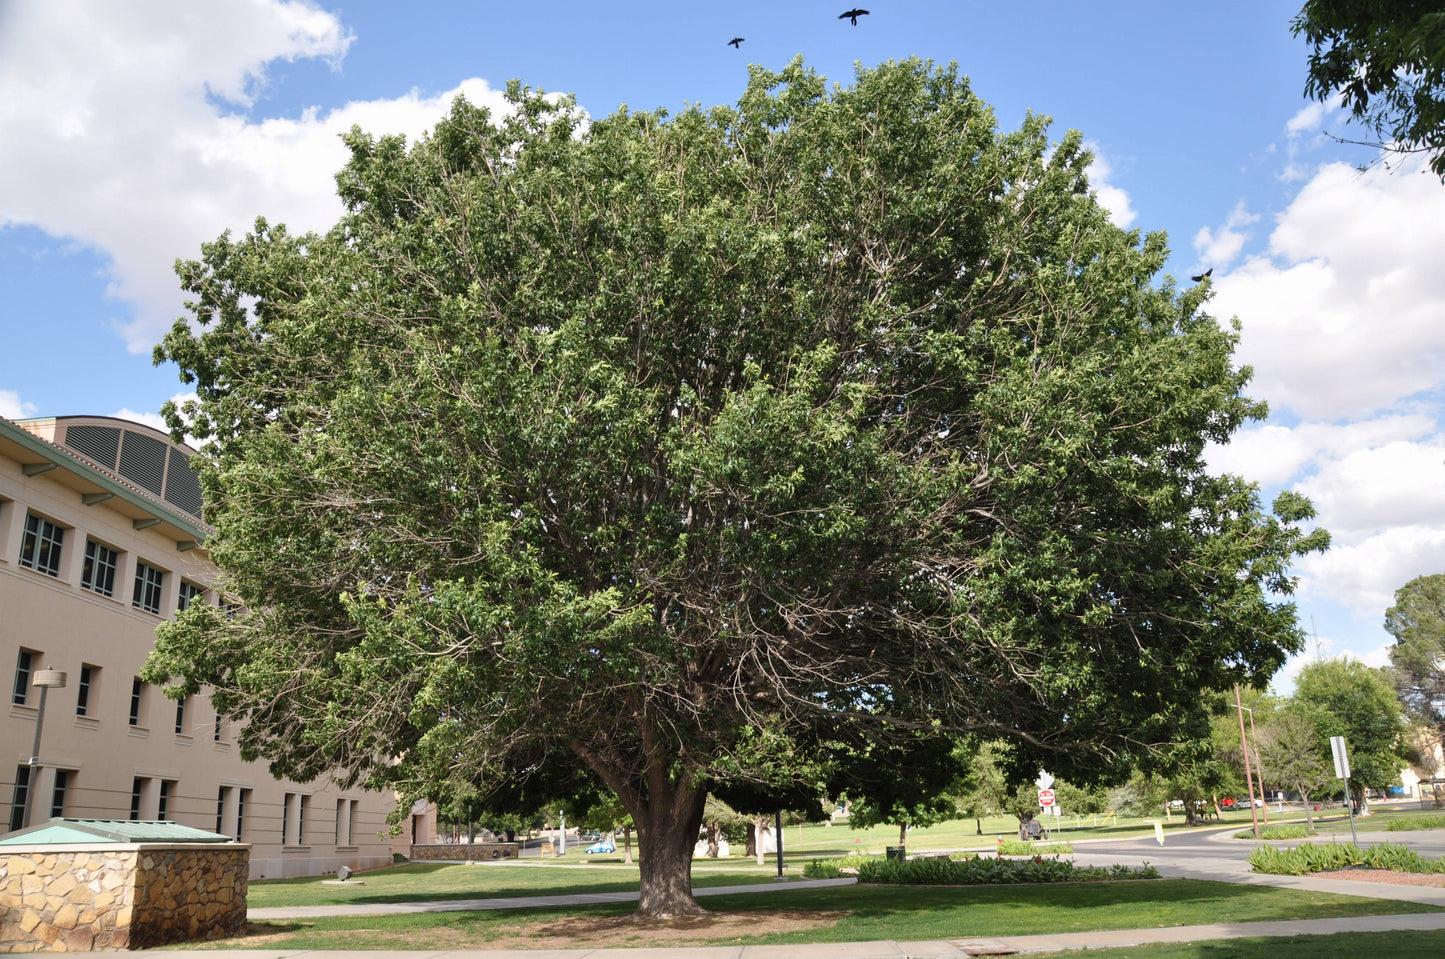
(97, 831)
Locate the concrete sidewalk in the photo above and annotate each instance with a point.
(938, 949)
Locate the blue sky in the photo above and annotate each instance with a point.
(131, 133)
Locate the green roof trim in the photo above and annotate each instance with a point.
(99, 831)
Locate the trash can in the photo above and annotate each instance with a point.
(897, 852)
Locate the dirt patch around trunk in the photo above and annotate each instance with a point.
(572, 932)
(1357, 874)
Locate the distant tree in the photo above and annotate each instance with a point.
(1417, 621)
(1353, 700)
(1294, 754)
(916, 782)
(1385, 59)
(836, 410)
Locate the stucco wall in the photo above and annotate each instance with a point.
(134, 896)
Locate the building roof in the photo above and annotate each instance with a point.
(26, 443)
(92, 831)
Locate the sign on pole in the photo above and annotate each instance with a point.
(1046, 797)
(1342, 761)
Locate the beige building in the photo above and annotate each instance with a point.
(101, 538)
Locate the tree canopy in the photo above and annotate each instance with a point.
(1348, 698)
(1385, 61)
(1417, 621)
(690, 444)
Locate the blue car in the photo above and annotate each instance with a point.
(601, 848)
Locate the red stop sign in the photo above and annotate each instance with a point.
(1046, 797)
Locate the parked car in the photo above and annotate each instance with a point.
(601, 848)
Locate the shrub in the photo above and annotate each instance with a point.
(1286, 831)
(936, 871)
(1309, 858)
(1422, 822)
(1015, 847)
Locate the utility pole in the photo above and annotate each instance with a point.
(1248, 775)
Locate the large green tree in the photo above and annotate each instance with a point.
(1348, 698)
(677, 442)
(1385, 61)
(1417, 621)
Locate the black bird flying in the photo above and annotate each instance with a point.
(853, 15)
(737, 42)
(1203, 276)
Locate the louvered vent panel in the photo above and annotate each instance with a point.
(98, 443)
(143, 461)
(183, 488)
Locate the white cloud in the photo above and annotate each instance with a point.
(13, 408)
(1111, 197)
(155, 420)
(1272, 455)
(1218, 248)
(114, 132)
(1400, 485)
(1364, 575)
(1306, 120)
(1342, 314)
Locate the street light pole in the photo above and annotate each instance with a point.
(45, 680)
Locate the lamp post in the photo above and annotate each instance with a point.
(45, 680)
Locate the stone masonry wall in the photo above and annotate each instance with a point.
(69, 899)
(458, 851)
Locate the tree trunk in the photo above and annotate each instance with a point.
(668, 827)
(903, 834)
(627, 844)
(759, 826)
(714, 832)
(1309, 813)
(752, 849)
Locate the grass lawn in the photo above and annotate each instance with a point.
(506, 879)
(1345, 945)
(838, 914)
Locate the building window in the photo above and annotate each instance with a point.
(190, 593)
(165, 799)
(137, 697)
(181, 715)
(243, 797)
(301, 803)
(57, 797)
(40, 547)
(17, 800)
(83, 692)
(136, 786)
(216, 729)
(286, 817)
(148, 582)
(221, 808)
(98, 572)
(24, 663)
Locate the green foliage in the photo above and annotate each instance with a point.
(1282, 831)
(1017, 847)
(1385, 59)
(833, 868)
(1422, 822)
(1309, 858)
(1353, 700)
(712, 449)
(938, 871)
(1417, 621)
